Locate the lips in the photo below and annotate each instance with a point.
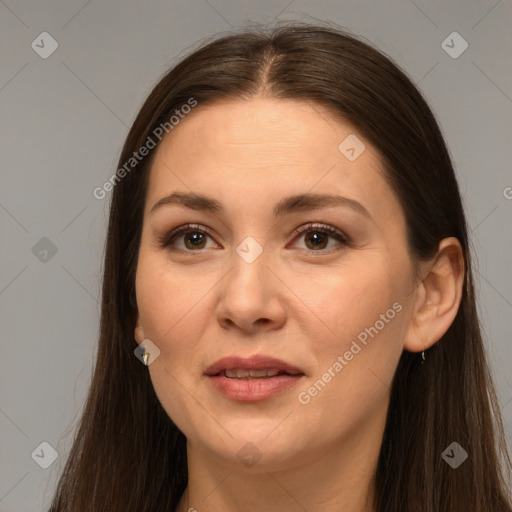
(251, 367)
(251, 374)
(252, 379)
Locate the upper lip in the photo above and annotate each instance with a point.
(257, 362)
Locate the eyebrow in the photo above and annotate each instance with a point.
(291, 204)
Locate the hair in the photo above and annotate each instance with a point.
(127, 453)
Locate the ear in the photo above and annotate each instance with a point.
(437, 298)
(138, 332)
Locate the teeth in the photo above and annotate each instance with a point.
(250, 374)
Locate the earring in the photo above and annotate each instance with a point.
(145, 357)
(422, 357)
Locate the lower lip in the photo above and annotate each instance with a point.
(253, 390)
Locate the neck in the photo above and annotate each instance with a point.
(341, 478)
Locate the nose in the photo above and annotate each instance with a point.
(252, 297)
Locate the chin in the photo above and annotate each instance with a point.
(258, 445)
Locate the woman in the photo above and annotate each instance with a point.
(287, 256)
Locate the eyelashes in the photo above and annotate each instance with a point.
(324, 230)
(167, 240)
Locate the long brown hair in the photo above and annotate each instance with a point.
(129, 456)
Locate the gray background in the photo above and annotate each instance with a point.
(64, 119)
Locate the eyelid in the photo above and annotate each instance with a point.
(331, 230)
(341, 237)
(165, 240)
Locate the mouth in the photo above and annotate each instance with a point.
(252, 379)
(244, 374)
(257, 367)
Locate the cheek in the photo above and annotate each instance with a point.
(166, 296)
(167, 300)
(345, 303)
(171, 313)
(359, 340)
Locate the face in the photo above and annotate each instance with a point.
(319, 290)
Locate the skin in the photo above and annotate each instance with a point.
(295, 302)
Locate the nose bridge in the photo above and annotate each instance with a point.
(248, 288)
(249, 250)
(253, 230)
(249, 266)
(252, 298)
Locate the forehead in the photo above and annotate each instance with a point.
(267, 148)
(271, 126)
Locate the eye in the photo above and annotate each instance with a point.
(317, 236)
(194, 237)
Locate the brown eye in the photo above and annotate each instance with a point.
(316, 236)
(316, 240)
(194, 238)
